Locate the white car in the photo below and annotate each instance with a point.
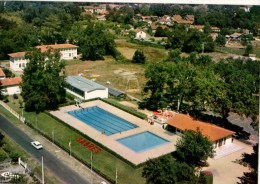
(36, 144)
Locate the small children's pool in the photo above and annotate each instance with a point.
(142, 141)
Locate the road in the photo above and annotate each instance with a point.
(66, 174)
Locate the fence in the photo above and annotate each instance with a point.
(18, 116)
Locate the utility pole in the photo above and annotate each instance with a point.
(42, 172)
(116, 175)
(203, 47)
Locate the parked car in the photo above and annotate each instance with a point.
(36, 144)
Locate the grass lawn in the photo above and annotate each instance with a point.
(152, 54)
(104, 161)
(230, 50)
(32, 163)
(104, 70)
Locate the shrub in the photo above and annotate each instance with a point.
(15, 96)
(3, 155)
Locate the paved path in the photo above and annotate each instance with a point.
(226, 170)
(67, 169)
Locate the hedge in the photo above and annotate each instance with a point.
(124, 108)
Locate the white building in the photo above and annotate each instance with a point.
(11, 85)
(85, 89)
(140, 35)
(18, 61)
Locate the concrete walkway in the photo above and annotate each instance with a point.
(111, 141)
(226, 169)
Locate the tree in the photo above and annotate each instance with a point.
(220, 40)
(250, 160)
(194, 148)
(248, 50)
(174, 55)
(138, 57)
(43, 86)
(166, 170)
(160, 32)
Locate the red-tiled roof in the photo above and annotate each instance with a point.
(11, 81)
(44, 48)
(2, 74)
(17, 54)
(186, 122)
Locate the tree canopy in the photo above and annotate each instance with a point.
(138, 57)
(194, 149)
(197, 83)
(43, 85)
(166, 170)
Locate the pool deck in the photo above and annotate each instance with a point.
(111, 140)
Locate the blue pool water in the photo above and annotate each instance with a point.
(102, 120)
(142, 141)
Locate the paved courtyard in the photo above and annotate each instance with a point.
(226, 169)
(111, 141)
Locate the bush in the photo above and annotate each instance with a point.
(3, 155)
(15, 96)
(124, 108)
(14, 157)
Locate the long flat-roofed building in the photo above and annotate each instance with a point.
(217, 135)
(85, 89)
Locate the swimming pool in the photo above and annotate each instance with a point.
(102, 120)
(142, 141)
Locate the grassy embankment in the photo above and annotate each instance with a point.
(32, 163)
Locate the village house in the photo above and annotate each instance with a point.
(140, 35)
(11, 85)
(100, 10)
(18, 61)
(2, 74)
(217, 135)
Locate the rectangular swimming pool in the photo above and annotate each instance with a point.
(102, 120)
(142, 141)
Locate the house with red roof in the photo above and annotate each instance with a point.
(11, 85)
(18, 61)
(2, 74)
(217, 135)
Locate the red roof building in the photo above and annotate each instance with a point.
(217, 135)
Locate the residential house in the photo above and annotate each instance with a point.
(217, 135)
(85, 89)
(11, 85)
(235, 36)
(215, 29)
(2, 74)
(18, 61)
(100, 10)
(140, 35)
(190, 18)
(198, 27)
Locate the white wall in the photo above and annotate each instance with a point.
(18, 64)
(96, 94)
(226, 142)
(12, 90)
(140, 35)
(75, 94)
(69, 53)
(92, 94)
